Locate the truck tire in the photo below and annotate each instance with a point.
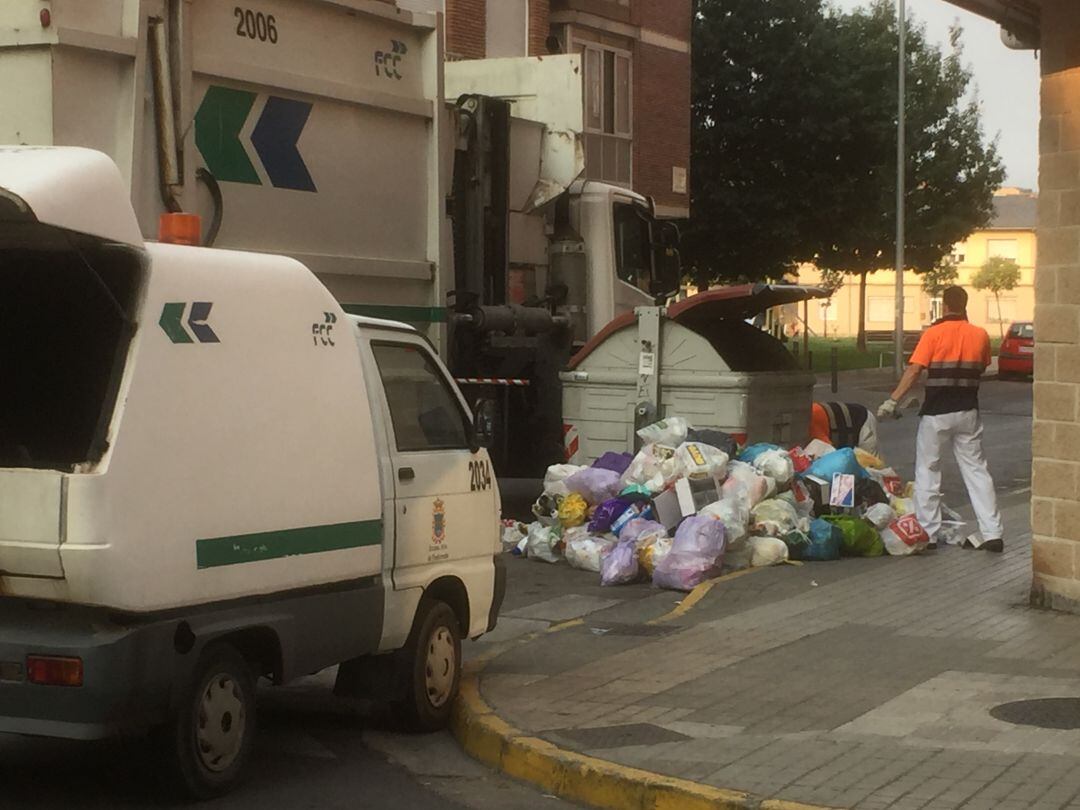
(431, 665)
(212, 733)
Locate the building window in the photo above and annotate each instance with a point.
(1008, 310)
(1004, 248)
(608, 124)
(507, 28)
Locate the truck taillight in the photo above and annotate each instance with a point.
(54, 670)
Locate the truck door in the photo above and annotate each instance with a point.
(445, 496)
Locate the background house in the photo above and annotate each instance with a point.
(1011, 234)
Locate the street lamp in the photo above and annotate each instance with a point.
(901, 154)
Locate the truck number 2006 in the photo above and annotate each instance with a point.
(255, 25)
(480, 475)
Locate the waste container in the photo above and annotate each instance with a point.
(703, 361)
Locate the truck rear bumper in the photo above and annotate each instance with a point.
(127, 672)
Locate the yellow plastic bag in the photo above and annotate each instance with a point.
(573, 511)
(868, 460)
(902, 506)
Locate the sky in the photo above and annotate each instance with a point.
(1008, 82)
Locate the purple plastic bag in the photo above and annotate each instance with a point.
(620, 565)
(633, 530)
(595, 485)
(616, 462)
(606, 513)
(697, 552)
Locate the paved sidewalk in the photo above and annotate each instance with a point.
(861, 683)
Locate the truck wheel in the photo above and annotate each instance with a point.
(214, 728)
(431, 661)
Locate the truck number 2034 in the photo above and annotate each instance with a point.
(255, 25)
(480, 475)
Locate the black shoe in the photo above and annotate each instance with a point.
(996, 545)
(932, 545)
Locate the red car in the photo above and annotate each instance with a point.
(1016, 357)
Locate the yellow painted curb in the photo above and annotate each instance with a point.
(578, 777)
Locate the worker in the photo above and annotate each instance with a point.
(955, 353)
(844, 424)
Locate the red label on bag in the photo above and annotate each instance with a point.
(908, 529)
(800, 460)
(893, 485)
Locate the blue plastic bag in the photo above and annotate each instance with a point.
(754, 450)
(838, 461)
(825, 542)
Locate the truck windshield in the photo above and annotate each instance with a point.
(67, 304)
(633, 247)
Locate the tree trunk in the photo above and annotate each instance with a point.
(1001, 326)
(860, 341)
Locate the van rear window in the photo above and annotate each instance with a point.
(67, 305)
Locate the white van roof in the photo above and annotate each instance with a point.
(69, 187)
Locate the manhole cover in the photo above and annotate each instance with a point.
(1060, 713)
(618, 736)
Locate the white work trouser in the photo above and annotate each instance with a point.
(963, 430)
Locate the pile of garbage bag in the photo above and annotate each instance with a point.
(692, 503)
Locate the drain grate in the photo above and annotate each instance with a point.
(1057, 713)
(618, 736)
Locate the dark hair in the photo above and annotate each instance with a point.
(955, 299)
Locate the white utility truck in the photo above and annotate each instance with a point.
(210, 472)
(449, 196)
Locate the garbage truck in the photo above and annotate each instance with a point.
(446, 195)
(320, 131)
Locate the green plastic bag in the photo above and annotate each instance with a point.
(798, 544)
(861, 539)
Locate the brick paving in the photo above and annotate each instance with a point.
(861, 683)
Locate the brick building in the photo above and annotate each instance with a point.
(636, 57)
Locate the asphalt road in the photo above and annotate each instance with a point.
(313, 751)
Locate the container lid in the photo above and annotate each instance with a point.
(68, 187)
(703, 312)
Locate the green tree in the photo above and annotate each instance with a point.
(794, 146)
(938, 278)
(997, 275)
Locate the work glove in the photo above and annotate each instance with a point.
(888, 410)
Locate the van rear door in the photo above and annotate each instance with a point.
(30, 523)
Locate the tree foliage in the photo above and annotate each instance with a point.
(997, 275)
(794, 108)
(938, 278)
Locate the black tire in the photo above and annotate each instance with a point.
(212, 734)
(432, 678)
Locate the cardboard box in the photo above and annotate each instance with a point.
(686, 498)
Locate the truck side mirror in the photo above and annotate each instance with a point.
(670, 237)
(483, 424)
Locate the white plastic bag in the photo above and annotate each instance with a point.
(904, 536)
(881, 515)
(766, 551)
(775, 518)
(655, 466)
(555, 478)
(735, 516)
(671, 432)
(584, 551)
(512, 535)
(542, 543)
(777, 465)
(700, 461)
(745, 483)
(817, 448)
